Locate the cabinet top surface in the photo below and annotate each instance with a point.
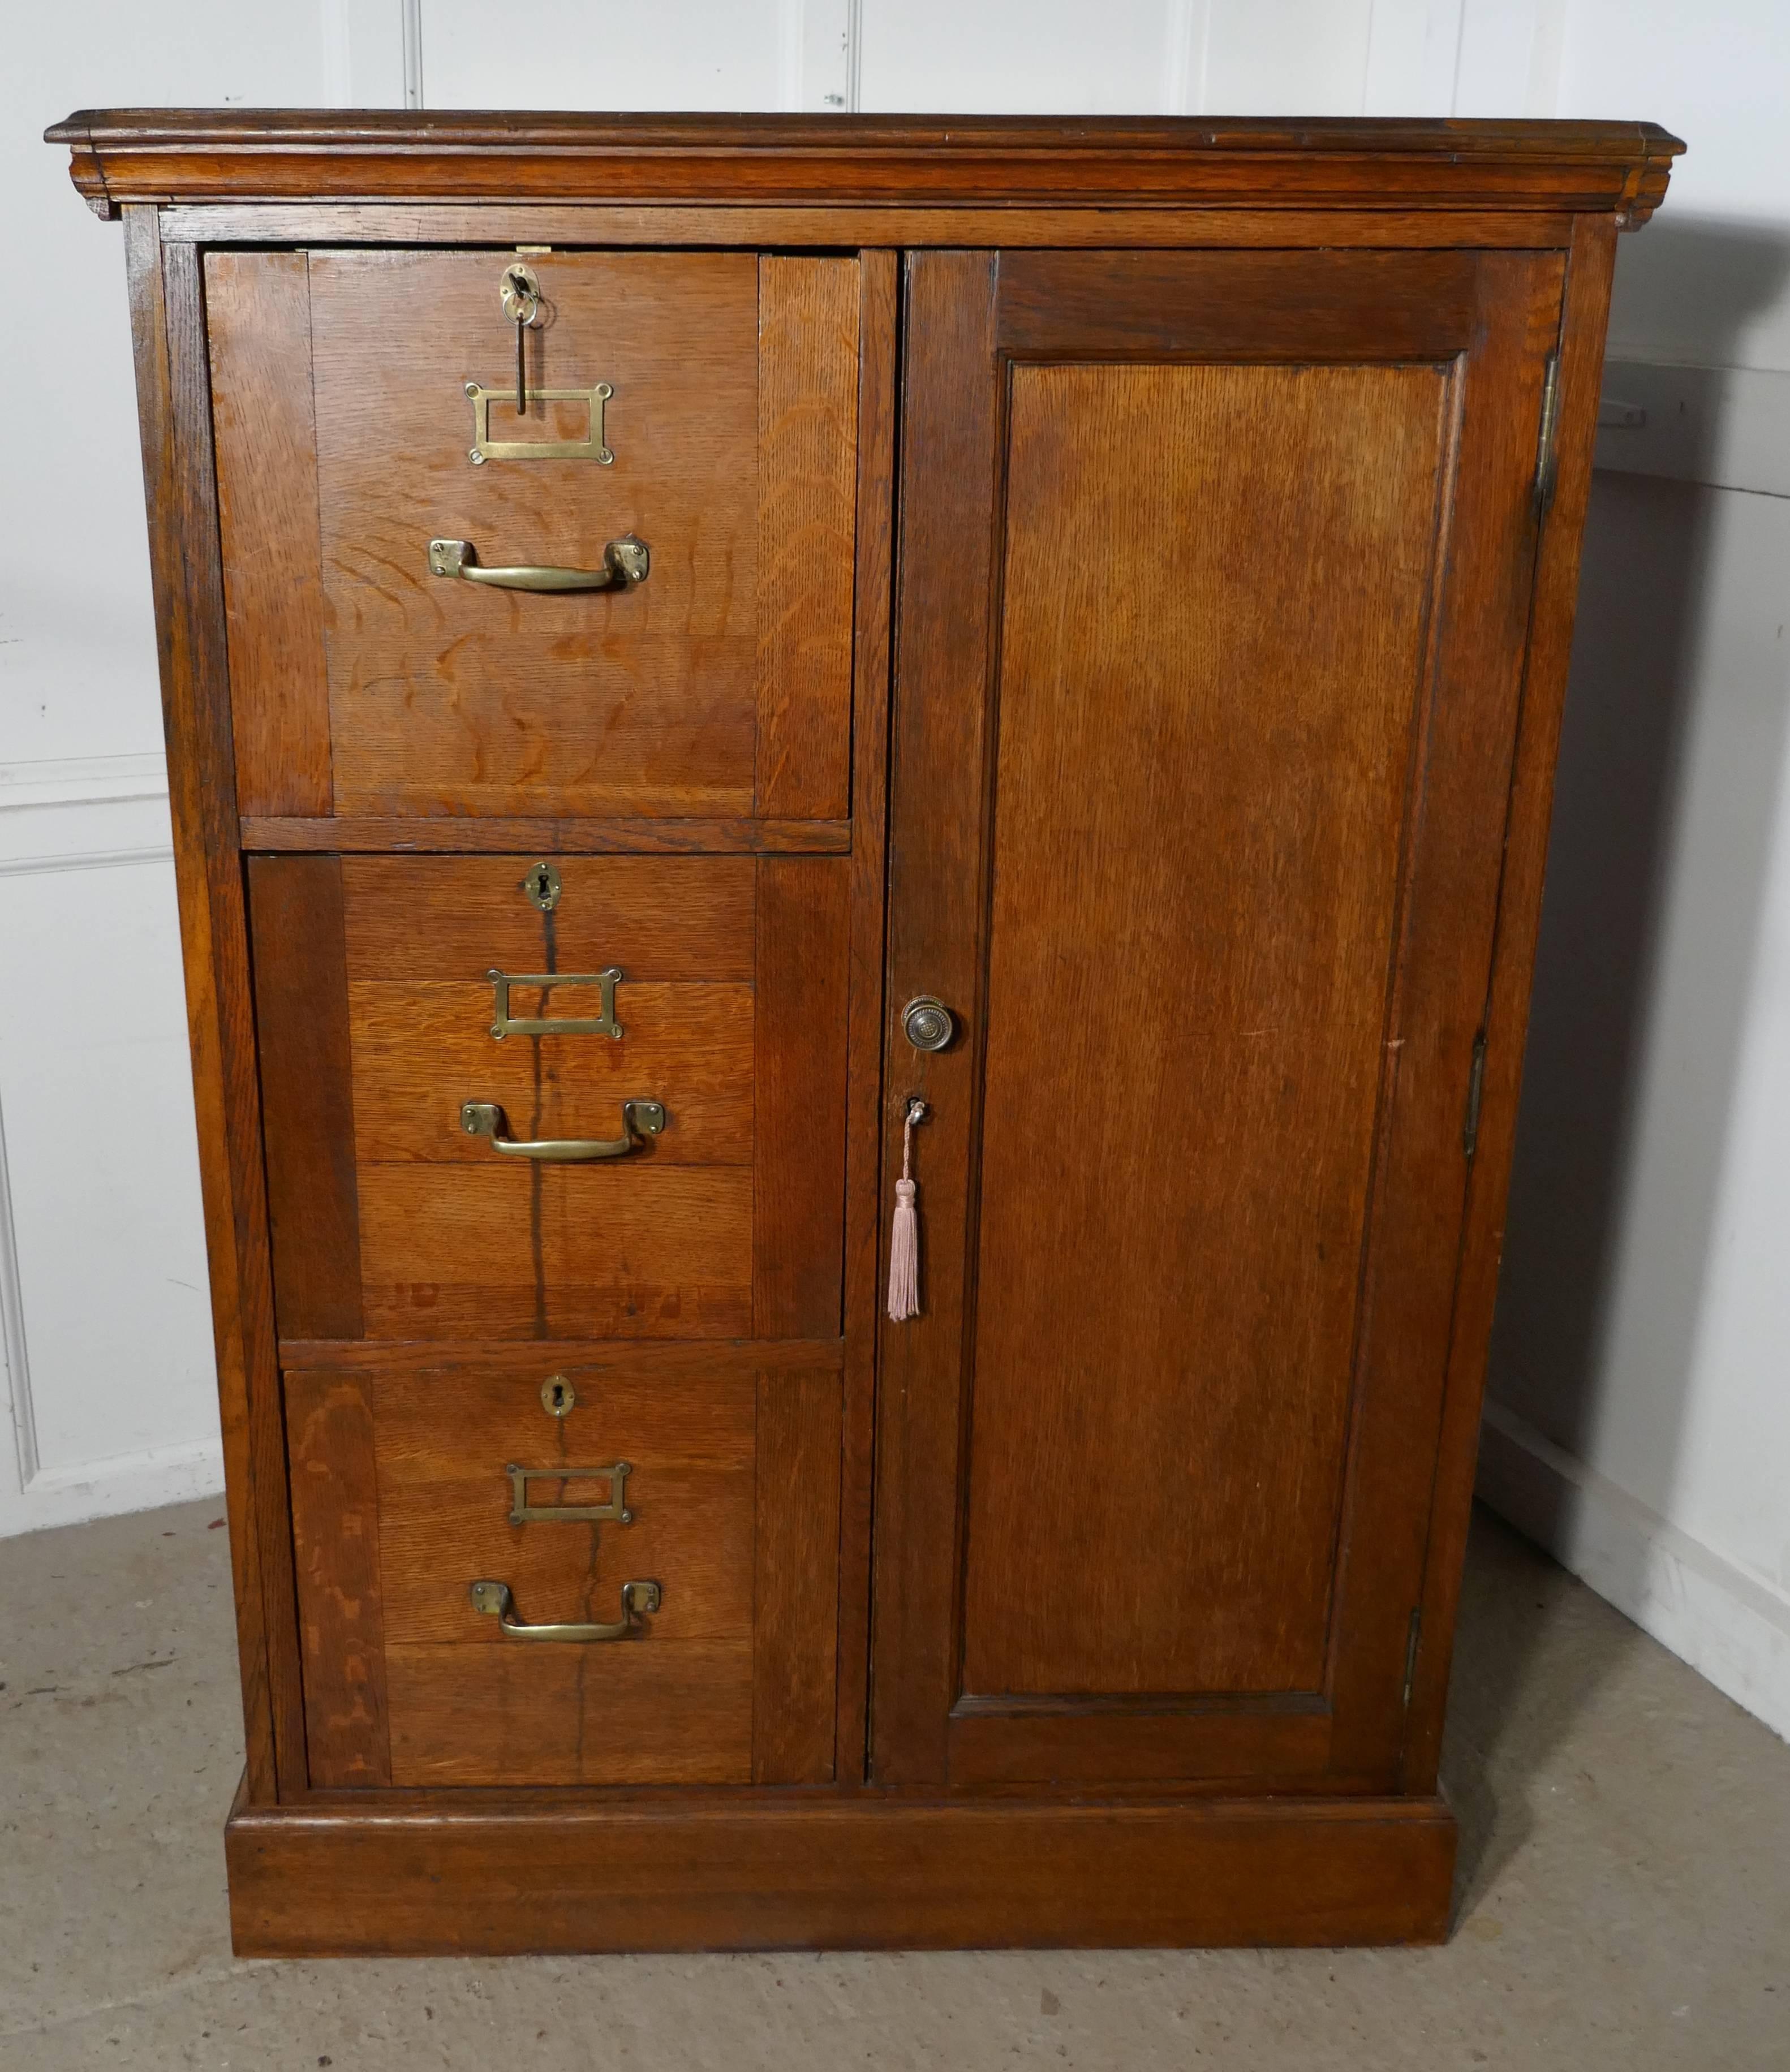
(195, 155)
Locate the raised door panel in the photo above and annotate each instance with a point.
(704, 403)
(1204, 725)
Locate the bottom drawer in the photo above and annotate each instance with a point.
(670, 1515)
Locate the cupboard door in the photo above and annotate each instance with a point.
(1216, 572)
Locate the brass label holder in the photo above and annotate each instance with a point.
(615, 1512)
(504, 1023)
(593, 447)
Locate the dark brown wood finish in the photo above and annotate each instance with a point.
(167, 331)
(880, 287)
(500, 834)
(854, 1873)
(335, 1539)
(1075, 1129)
(1589, 267)
(121, 155)
(307, 1076)
(1116, 1607)
(887, 226)
(257, 307)
(796, 1612)
(798, 1109)
(807, 436)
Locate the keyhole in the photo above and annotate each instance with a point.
(557, 1396)
(542, 887)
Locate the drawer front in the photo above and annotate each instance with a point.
(365, 684)
(672, 1519)
(376, 1007)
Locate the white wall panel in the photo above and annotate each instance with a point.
(1287, 57)
(1017, 57)
(689, 54)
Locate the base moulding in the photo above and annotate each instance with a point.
(323, 1878)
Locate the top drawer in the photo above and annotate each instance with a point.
(363, 684)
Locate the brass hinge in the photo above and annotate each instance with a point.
(1547, 451)
(1475, 1085)
(1410, 1654)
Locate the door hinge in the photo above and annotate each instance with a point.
(1410, 1654)
(1547, 451)
(1475, 1085)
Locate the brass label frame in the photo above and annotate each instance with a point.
(615, 1512)
(504, 1023)
(593, 447)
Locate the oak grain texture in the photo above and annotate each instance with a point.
(795, 1554)
(167, 333)
(120, 155)
(458, 1240)
(1186, 989)
(880, 287)
(448, 697)
(301, 1020)
(1396, 904)
(673, 1702)
(499, 833)
(937, 749)
(799, 1082)
(336, 1536)
(864, 1872)
(889, 227)
(258, 314)
(666, 1361)
(808, 423)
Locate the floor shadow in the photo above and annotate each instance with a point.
(1666, 802)
(1526, 1663)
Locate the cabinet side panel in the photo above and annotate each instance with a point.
(307, 1094)
(808, 397)
(258, 317)
(167, 322)
(1589, 266)
(335, 1543)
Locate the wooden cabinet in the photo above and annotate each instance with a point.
(1112, 579)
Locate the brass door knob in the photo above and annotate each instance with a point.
(927, 1023)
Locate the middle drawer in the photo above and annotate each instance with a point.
(653, 1145)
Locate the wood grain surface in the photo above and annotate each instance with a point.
(1260, 839)
(133, 154)
(302, 1011)
(807, 484)
(257, 314)
(1189, 950)
(336, 1537)
(769, 1872)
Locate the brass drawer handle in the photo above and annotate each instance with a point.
(641, 1119)
(626, 564)
(495, 1600)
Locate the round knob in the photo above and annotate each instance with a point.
(927, 1023)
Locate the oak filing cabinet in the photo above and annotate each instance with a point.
(706, 659)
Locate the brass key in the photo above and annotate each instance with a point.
(520, 297)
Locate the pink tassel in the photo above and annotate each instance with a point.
(904, 1237)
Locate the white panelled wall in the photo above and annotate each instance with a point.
(1640, 1417)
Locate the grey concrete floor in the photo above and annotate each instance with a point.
(1624, 1901)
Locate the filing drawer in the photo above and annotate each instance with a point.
(722, 389)
(378, 981)
(414, 1481)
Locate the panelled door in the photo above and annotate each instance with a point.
(1214, 572)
